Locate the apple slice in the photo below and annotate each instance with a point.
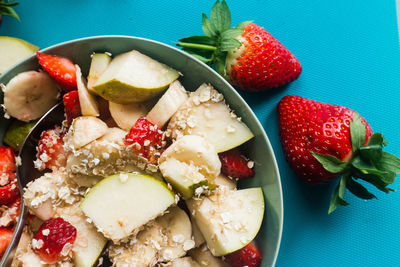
(229, 219)
(206, 114)
(125, 115)
(99, 64)
(122, 203)
(86, 100)
(86, 129)
(134, 77)
(168, 104)
(189, 163)
(203, 256)
(13, 50)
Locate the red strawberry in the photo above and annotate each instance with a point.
(235, 165)
(14, 209)
(7, 165)
(71, 106)
(248, 256)
(6, 234)
(61, 69)
(50, 150)
(146, 139)
(322, 141)
(9, 193)
(247, 55)
(54, 240)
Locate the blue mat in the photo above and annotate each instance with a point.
(350, 55)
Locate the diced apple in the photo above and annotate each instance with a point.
(87, 102)
(99, 64)
(206, 114)
(122, 203)
(86, 129)
(229, 219)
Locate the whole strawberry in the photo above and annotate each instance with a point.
(247, 55)
(322, 141)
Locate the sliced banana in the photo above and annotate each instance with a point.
(86, 129)
(126, 115)
(87, 102)
(99, 64)
(29, 95)
(168, 104)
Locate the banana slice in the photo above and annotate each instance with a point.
(126, 115)
(168, 104)
(86, 100)
(29, 95)
(99, 64)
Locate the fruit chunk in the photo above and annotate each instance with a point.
(222, 180)
(7, 165)
(203, 256)
(61, 69)
(13, 50)
(184, 262)
(198, 237)
(247, 256)
(229, 219)
(206, 114)
(17, 132)
(54, 240)
(235, 165)
(168, 104)
(72, 106)
(86, 129)
(126, 115)
(99, 64)
(29, 95)
(190, 162)
(87, 102)
(50, 150)
(6, 234)
(122, 203)
(134, 77)
(9, 193)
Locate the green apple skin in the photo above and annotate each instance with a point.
(122, 203)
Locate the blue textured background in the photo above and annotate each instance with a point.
(350, 55)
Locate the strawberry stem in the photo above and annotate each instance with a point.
(198, 46)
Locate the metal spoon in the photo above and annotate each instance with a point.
(26, 172)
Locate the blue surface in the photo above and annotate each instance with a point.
(350, 55)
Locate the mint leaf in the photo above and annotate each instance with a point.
(229, 44)
(338, 194)
(243, 24)
(366, 168)
(208, 28)
(198, 40)
(377, 139)
(357, 132)
(220, 16)
(330, 163)
(388, 162)
(358, 190)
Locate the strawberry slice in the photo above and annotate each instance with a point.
(9, 193)
(7, 165)
(54, 240)
(146, 139)
(248, 256)
(50, 150)
(6, 234)
(14, 209)
(72, 106)
(235, 165)
(61, 69)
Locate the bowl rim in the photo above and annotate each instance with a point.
(234, 91)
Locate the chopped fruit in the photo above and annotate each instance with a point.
(50, 150)
(99, 64)
(71, 106)
(9, 193)
(6, 234)
(235, 165)
(247, 55)
(17, 132)
(322, 141)
(87, 101)
(7, 164)
(14, 209)
(248, 256)
(61, 69)
(86, 129)
(54, 240)
(146, 139)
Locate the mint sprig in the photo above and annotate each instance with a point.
(218, 39)
(6, 8)
(368, 163)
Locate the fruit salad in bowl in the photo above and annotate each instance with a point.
(156, 163)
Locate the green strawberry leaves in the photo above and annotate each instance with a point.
(219, 38)
(368, 163)
(6, 8)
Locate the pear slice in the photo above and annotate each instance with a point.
(168, 104)
(99, 64)
(13, 50)
(126, 115)
(228, 219)
(206, 114)
(121, 204)
(86, 129)
(86, 100)
(134, 77)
